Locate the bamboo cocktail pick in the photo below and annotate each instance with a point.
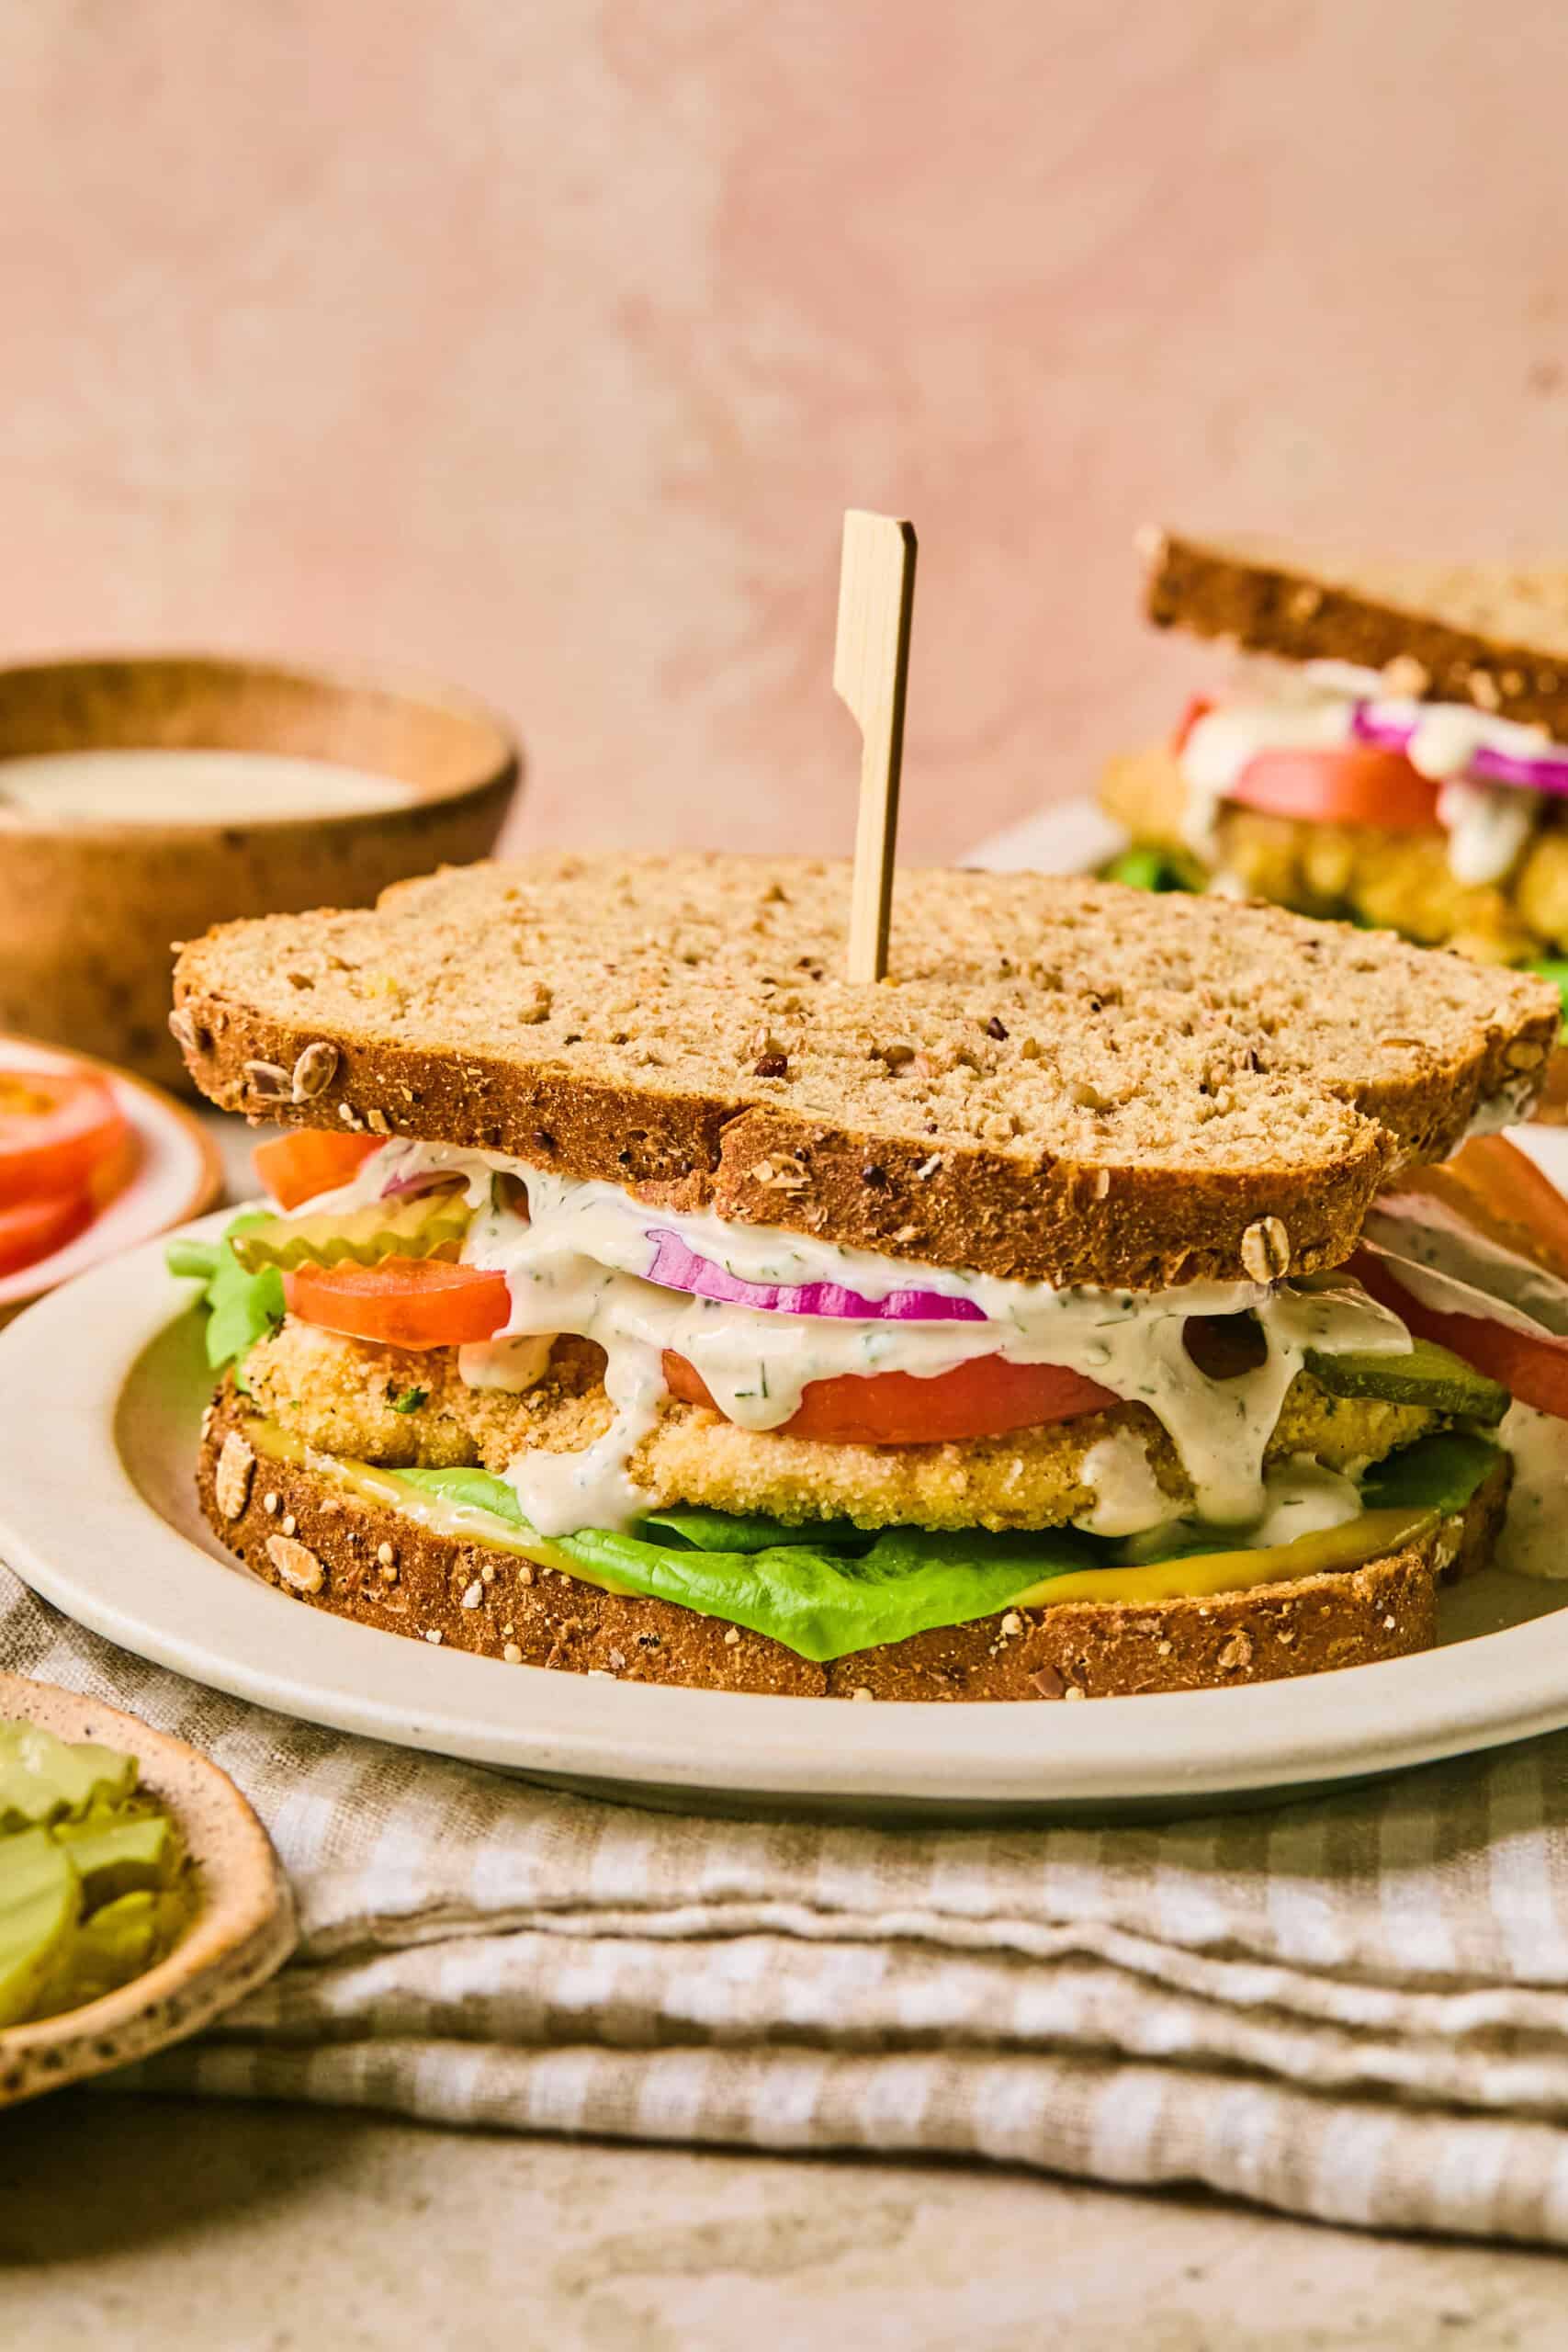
(871, 665)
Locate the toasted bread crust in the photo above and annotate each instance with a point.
(1493, 636)
(1356, 1617)
(1061, 1081)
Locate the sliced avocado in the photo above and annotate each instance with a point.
(42, 1779)
(1428, 1376)
(39, 1900)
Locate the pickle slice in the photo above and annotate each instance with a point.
(1427, 1375)
(431, 1225)
(43, 1779)
(118, 1857)
(118, 1942)
(40, 1899)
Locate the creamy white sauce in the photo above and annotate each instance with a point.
(1299, 1497)
(1488, 826)
(577, 1264)
(1434, 1286)
(176, 787)
(1455, 1262)
(513, 1365)
(1128, 1497)
(1304, 1498)
(1534, 1541)
(1225, 742)
(1509, 1107)
(1453, 1269)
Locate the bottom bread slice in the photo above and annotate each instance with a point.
(312, 1537)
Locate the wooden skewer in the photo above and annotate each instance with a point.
(871, 667)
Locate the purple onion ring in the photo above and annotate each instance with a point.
(1547, 771)
(423, 1179)
(675, 1267)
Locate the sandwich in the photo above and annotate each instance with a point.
(636, 1296)
(1392, 750)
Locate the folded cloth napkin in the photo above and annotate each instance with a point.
(1355, 2008)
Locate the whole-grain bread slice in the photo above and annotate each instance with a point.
(367, 1563)
(1059, 1079)
(1495, 635)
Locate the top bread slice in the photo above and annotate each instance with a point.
(1059, 1079)
(1495, 635)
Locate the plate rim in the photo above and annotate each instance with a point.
(68, 1361)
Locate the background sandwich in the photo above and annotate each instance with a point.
(1395, 753)
(643, 1298)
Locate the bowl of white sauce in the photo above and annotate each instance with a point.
(144, 799)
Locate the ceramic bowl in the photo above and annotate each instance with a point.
(242, 1932)
(88, 906)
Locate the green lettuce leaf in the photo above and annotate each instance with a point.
(1147, 867)
(243, 1307)
(829, 1590)
(818, 1600)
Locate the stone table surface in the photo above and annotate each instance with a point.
(144, 2225)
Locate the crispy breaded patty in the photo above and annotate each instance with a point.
(1394, 881)
(338, 1394)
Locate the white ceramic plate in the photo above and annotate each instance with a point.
(101, 1391)
(177, 1174)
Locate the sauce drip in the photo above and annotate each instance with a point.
(577, 1262)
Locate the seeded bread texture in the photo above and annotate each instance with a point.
(380, 1570)
(1495, 635)
(1059, 1079)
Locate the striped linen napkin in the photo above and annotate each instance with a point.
(1355, 2008)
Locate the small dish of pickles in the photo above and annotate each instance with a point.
(95, 1880)
(139, 1894)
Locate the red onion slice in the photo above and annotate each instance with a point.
(420, 1180)
(1543, 772)
(675, 1267)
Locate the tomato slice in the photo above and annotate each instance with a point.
(309, 1160)
(33, 1229)
(402, 1302)
(985, 1398)
(1533, 1365)
(56, 1127)
(1498, 1189)
(1358, 783)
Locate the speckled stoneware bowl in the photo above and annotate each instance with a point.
(88, 907)
(242, 1934)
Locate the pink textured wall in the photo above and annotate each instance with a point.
(541, 343)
